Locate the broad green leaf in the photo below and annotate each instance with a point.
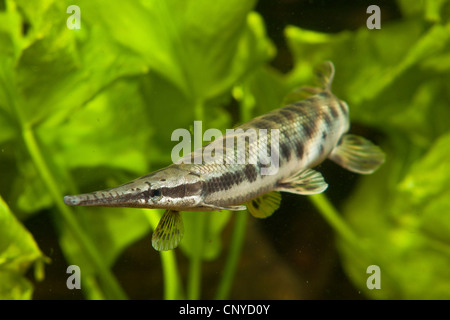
(58, 69)
(110, 131)
(216, 31)
(56, 75)
(18, 252)
(191, 43)
(406, 228)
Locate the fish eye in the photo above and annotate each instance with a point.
(155, 193)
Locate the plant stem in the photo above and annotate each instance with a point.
(109, 282)
(237, 240)
(333, 217)
(195, 266)
(172, 283)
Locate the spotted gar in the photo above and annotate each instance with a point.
(307, 132)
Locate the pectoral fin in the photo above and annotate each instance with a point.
(357, 154)
(264, 206)
(169, 232)
(306, 181)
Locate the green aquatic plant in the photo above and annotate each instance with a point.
(82, 109)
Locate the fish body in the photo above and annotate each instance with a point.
(300, 135)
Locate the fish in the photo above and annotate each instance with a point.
(307, 132)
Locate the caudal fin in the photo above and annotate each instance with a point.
(357, 154)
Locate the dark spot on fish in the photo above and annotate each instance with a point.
(309, 128)
(294, 108)
(333, 111)
(285, 151)
(250, 172)
(300, 150)
(289, 115)
(162, 180)
(327, 119)
(224, 182)
(342, 106)
(324, 135)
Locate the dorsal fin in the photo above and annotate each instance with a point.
(324, 78)
(325, 75)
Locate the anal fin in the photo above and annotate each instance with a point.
(357, 154)
(169, 232)
(264, 206)
(307, 181)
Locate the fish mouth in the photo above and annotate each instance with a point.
(109, 198)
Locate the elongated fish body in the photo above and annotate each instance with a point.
(278, 153)
(308, 131)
